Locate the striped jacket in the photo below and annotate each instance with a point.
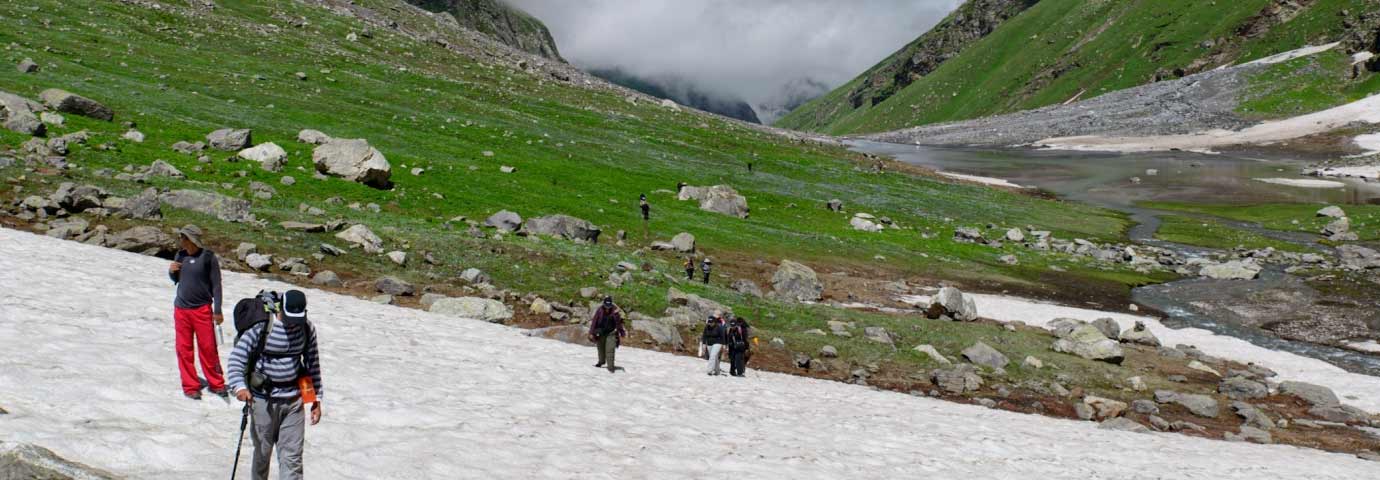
(279, 360)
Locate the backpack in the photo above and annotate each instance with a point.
(608, 322)
(248, 313)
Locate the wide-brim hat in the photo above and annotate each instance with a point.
(192, 233)
(294, 308)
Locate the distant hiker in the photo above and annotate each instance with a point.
(712, 340)
(646, 208)
(690, 267)
(705, 266)
(276, 374)
(679, 186)
(196, 312)
(605, 330)
(738, 346)
(749, 167)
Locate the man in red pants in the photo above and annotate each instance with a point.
(196, 312)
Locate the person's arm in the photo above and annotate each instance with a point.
(176, 275)
(594, 322)
(313, 360)
(213, 268)
(239, 357)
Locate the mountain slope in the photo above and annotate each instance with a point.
(408, 394)
(681, 92)
(498, 19)
(1061, 50)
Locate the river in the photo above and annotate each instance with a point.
(1119, 181)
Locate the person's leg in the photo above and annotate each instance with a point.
(599, 345)
(292, 425)
(734, 360)
(610, 350)
(204, 329)
(264, 432)
(182, 344)
(715, 351)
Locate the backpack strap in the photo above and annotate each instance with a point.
(258, 350)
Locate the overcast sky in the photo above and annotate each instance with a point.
(745, 48)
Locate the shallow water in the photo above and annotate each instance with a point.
(1106, 180)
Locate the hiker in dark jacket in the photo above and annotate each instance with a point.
(739, 343)
(646, 208)
(705, 266)
(290, 363)
(713, 339)
(196, 312)
(605, 330)
(690, 267)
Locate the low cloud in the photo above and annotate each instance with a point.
(748, 49)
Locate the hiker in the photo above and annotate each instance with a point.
(646, 208)
(284, 372)
(196, 311)
(606, 330)
(712, 341)
(690, 268)
(705, 266)
(739, 346)
(680, 186)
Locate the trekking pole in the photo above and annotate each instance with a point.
(244, 421)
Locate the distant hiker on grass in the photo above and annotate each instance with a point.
(712, 342)
(739, 346)
(705, 266)
(606, 330)
(646, 208)
(690, 268)
(196, 312)
(276, 375)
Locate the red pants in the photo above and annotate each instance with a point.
(195, 325)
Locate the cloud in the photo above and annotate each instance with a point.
(748, 49)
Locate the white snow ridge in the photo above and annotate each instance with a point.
(87, 370)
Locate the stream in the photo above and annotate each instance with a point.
(1105, 180)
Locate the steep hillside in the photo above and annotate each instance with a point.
(500, 20)
(681, 92)
(1057, 51)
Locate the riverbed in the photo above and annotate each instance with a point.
(1120, 181)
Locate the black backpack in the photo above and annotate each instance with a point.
(248, 313)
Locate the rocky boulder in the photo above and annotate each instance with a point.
(144, 206)
(362, 237)
(746, 287)
(353, 160)
(77, 198)
(1200, 405)
(1233, 270)
(220, 206)
(1123, 424)
(483, 309)
(143, 239)
(230, 139)
(1105, 408)
(661, 333)
(21, 115)
(270, 156)
(1358, 257)
(1087, 341)
(327, 278)
(796, 282)
(982, 354)
(1108, 327)
(1241, 388)
(718, 199)
(691, 309)
(957, 380)
(933, 354)
(68, 102)
(394, 286)
(29, 461)
(864, 222)
(563, 226)
(954, 303)
(504, 221)
(683, 242)
(1331, 211)
(1317, 395)
(1141, 335)
(314, 137)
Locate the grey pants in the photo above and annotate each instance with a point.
(715, 352)
(280, 424)
(608, 349)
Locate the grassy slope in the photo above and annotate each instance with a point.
(1213, 234)
(1304, 85)
(1365, 219)
(1111, 45)
(577, 151)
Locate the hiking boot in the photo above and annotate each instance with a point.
(598, 365)
(192, 396)
(224, 394)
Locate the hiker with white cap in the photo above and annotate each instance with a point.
(196, 311)
(705, 266)
(283, 374)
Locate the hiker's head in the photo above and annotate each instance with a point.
(294, 308)
(189, 237)
(608, 301)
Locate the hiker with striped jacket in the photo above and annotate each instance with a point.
(286, 374)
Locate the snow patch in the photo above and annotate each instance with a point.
(997, 182)
(1302, 182)
(1364, 346)
(1292, 54)
(86, 361)
(1370, 172)
(1361, 57)
(1365, 388)
(1369, 142)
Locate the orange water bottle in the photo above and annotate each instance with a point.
(308, 390)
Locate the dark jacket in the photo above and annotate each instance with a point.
(737, 336)
(198, 282)
(714, 333)
(607, 316)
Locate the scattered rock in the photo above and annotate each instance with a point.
(353, 160)
(1332, 211)
(327, 278)
(863, 222)
(1032, 363)
(67, 228)
(1240, 388)
(933, 354)
(834, 205)
(145, 239)
(1108, 327)
(828, 351)
(397, 257)
(1200, 366)
(1233, 270)
(878, 334)
(1249, 434)
(244, 249)
(1137, 383)
(220, 206)
(27, 65)
(796, 282)
(1141, 335)
(661, 333)
(230, 139)
(474, 276)
(161, 168)
(1145, 407)
(270, 156)
(1087, 341)
(683, 242)
(957, 380)
(1105, 407)
(982, 354)
(1124, 424)
(29, 461)
(954, 303)
(563, 226)
(394, 286)
(1014, 235)
(1340, 413)
(362, 237)
(1252, 415)
(133, 136)
(719, 199)
(68, 102)
(504, 221)
(383, 300)
(1358, 257)
(1200, 405)
(259, 261)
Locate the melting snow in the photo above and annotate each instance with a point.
(998, 182)
(87, 369)
(1302, 182)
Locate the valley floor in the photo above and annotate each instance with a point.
(87, 367)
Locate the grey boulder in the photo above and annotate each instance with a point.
(220, 206)
(68, 102)
(504, 221)
(563, 226)
(492, 311)
(353, 160)
(796, 282)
